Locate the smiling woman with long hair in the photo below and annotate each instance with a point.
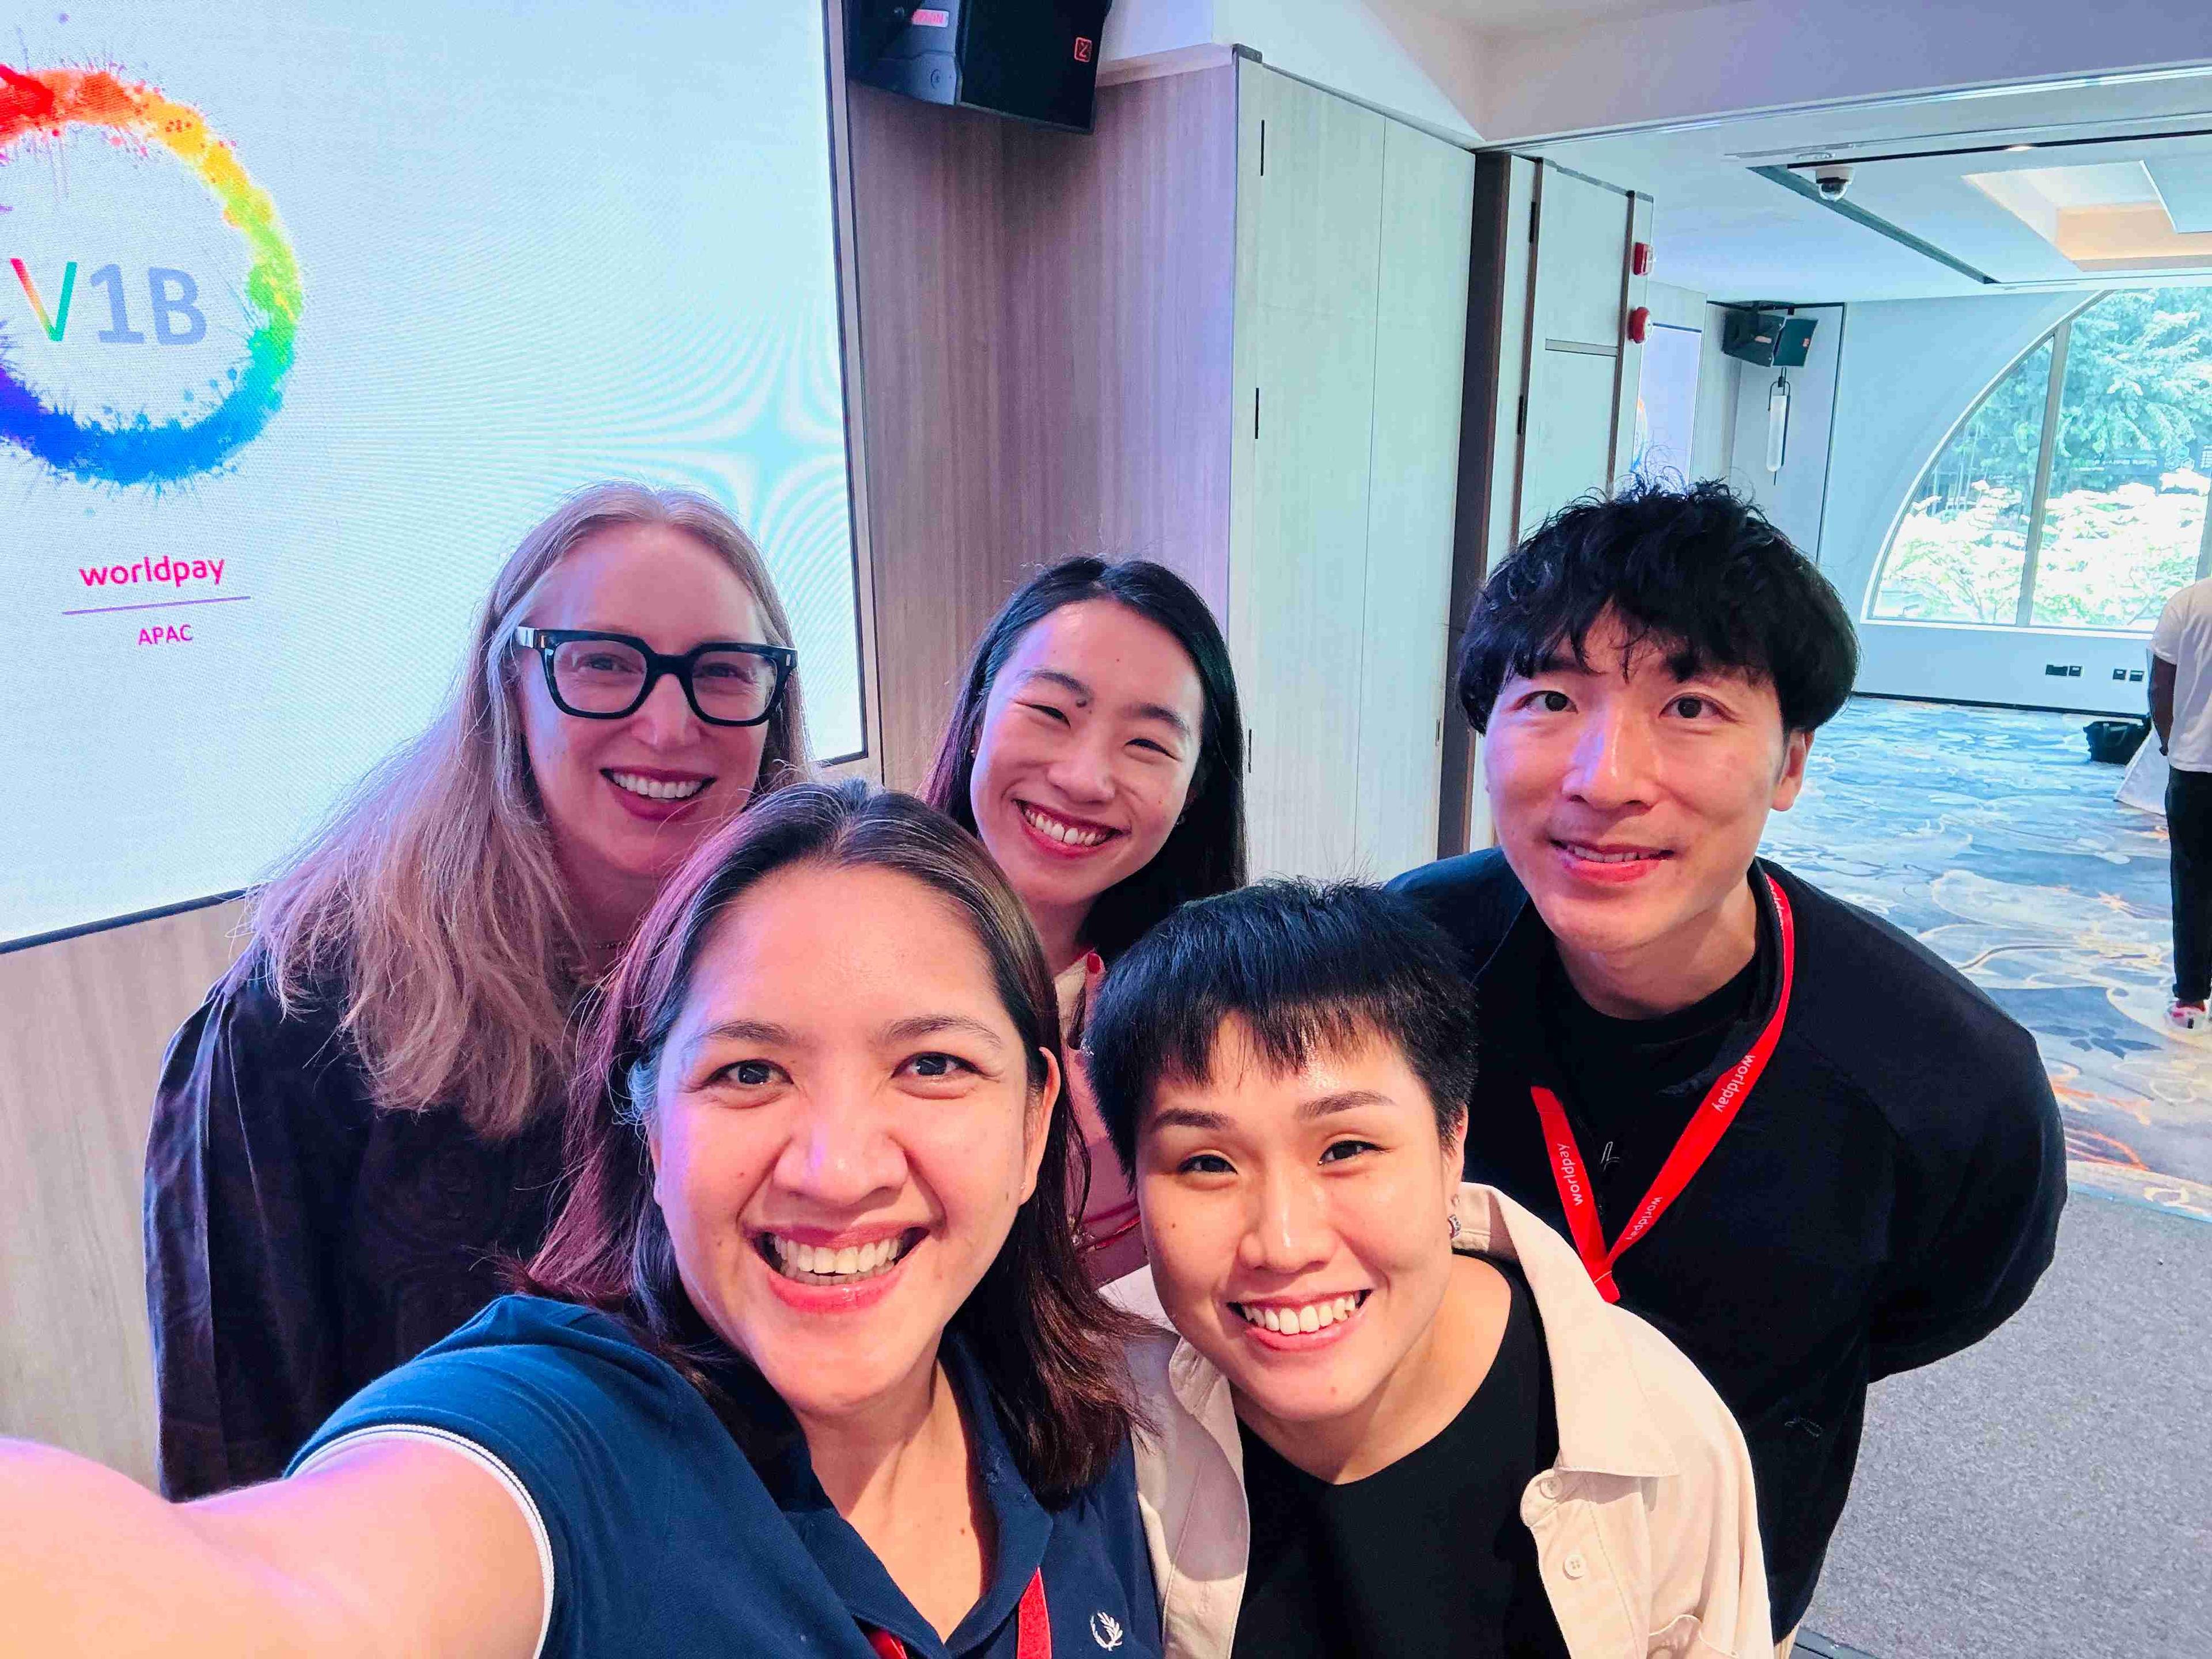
(812, 1367)
(365, 1111)
(1097, 749)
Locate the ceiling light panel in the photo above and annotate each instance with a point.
(2184, 185)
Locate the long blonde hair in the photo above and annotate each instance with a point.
(433, 894)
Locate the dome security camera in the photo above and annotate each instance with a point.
(1831, 179)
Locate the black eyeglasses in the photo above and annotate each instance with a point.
(604, 677)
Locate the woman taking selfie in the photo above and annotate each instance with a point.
(812, 1367)
(365, 1111)
(1096, 749)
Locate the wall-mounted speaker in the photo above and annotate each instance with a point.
(1035, 60)
(1771, 339)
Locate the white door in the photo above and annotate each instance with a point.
(1575, 336)
(1420, 339)
(1309, 186)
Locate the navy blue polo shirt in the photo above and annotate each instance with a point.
(666, 1539)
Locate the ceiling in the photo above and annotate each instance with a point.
(1534, 16)
(2014, 188)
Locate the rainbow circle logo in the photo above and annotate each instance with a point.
(47, 102)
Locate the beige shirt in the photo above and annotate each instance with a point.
(1647, 1534)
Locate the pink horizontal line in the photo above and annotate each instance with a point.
(163, 605)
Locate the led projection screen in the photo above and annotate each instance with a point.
(307, 314)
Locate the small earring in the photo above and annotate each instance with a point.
(1451, 1226)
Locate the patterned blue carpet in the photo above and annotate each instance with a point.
(1992, 837)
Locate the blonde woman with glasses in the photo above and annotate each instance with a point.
(362, 1120)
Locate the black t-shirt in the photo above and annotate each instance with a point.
(1633, 1085)
(1428, 1555)
(1889, 1193)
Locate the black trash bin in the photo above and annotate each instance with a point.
(2114, 741)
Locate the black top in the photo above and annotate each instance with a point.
(1888, 1194)
(1630, 1089)
(1427, 1555)
(300, 1244)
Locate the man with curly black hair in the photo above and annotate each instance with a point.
(1774, 1125)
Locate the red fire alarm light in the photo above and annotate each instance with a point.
(1639, 259)
(1639, 320)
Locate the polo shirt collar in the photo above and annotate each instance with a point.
(1022, 1527)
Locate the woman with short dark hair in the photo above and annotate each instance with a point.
(1398, 1416)
(814, 1366)
(1097, 749)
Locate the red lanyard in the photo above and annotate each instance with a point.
(1715, 1114)
(1032, 1627)
(1099, 1231)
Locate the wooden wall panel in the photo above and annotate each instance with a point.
(1045, 329)
(1119, 312)
(83, 1026)
(926, 237)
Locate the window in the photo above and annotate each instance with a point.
(2073, 495)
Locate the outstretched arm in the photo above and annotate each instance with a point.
(390, 1547)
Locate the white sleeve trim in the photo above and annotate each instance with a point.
(485, 1459)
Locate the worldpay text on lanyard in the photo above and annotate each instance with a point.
(1717, 1110)
(1032, 1627)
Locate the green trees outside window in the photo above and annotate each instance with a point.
(2073, 495)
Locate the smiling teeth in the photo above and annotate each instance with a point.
(1597, 857)
(1308, 1316)
(655, 788)
(821, 1264)
(1066, 834)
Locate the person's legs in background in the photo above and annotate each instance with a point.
(2189, 828)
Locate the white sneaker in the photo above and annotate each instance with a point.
(2188, 1016)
